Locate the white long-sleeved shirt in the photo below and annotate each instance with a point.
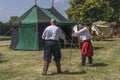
(83, 34)
(53, 32)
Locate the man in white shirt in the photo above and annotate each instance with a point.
(51, 35)
(85, 38)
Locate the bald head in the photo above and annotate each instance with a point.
(53, 21)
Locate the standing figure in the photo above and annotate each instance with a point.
(51, 35)
(85, 38)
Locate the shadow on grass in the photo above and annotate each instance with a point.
(70, 73)
(2, 61)
(99, 65)
(96, 48)
(108, 40)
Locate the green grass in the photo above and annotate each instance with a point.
(5, 38)
(27, 65)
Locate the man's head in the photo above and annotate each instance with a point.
(53, 21)
(80, 25)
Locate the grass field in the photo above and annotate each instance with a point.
(5, 38)
(27, 65)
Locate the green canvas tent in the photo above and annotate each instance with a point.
(28, 28)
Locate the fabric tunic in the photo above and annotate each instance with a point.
(85, 38)
(53, 32)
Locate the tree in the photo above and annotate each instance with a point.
(12, 19)
(2, 28)
(9, 25)
(115, 4)
(5, 28)
(89, 10)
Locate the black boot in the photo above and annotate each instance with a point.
(58, 66)
(45, 68)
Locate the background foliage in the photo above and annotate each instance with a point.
(5, 28)
(94, 10)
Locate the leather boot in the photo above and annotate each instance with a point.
(45, 68)
(58, 65)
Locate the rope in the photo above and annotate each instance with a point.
(72, 44)
(8, 31)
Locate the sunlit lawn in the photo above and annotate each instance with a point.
(27, 65)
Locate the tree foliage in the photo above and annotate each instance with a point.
(115, 4)
(94, 10)
(5, 28)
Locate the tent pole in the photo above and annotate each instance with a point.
(52, 3)
(35, 2)
(72, 45)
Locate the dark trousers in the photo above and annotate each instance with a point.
(84, 59)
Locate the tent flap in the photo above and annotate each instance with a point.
(28, 37)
